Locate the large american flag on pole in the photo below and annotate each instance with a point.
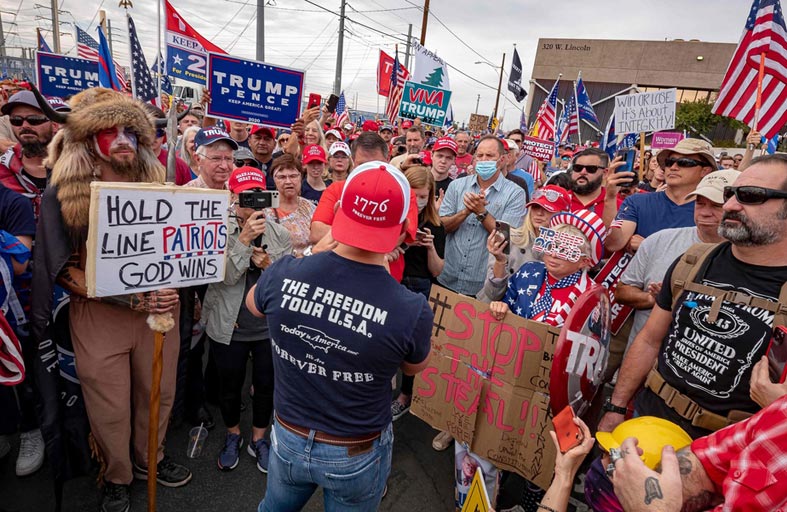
(399, 76)
(145, 88)
(544, 127)
(764, 33)
(87, 48)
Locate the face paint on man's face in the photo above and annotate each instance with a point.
(115, 139)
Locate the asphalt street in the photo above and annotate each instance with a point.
(421, 478)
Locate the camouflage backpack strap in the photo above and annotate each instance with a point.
(781, 308)
(687, 268)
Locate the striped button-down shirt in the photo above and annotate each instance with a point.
(465, 248)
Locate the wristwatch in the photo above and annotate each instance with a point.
(482, 216)
(610, 407)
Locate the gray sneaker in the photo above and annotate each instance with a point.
(31, 453)
(115, 498)
(398, 409)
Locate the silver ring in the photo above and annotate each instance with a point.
(614, 455)
(610, 469)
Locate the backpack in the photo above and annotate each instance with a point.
(696, 260)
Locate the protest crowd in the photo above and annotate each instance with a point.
(339, 240)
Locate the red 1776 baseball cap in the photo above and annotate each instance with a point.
(374, 204)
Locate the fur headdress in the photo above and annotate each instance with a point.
(72, 157)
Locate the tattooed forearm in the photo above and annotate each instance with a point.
(652, 490)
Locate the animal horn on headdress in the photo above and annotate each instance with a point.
(46, 108)
(162, 123)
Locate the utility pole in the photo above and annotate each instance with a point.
(407, 52)
(423, 22)
(499, 85)
(478, 99)
(337, 84)
(2, 36)
(55, 28)
(261, 30)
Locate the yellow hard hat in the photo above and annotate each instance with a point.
(652, 434)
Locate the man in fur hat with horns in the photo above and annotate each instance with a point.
(109, 137)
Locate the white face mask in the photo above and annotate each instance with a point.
(422, 203)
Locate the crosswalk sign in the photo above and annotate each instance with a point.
(477, 498)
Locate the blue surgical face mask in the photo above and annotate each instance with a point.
(486, 169)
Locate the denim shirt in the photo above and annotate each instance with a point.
(223, 300)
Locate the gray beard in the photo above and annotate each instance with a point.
(746, 234)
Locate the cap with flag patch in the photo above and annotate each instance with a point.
(207, 136)
(590, 224)
(374, 204)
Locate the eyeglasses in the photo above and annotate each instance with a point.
(684, 162)
(247, 163)
(287, 177)
(31, 120)
(753, 195)
(220, 159)
(590, 169)
(284, 140)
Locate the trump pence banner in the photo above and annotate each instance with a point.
(145, 237)
(252, 91)
(59, 75)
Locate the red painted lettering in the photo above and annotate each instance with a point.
(464, 311)
(430, 388)
(167, 232)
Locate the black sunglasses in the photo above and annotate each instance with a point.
(591, 169)
(685, 162)
(31, 120)
(753, 195)
(247, 163)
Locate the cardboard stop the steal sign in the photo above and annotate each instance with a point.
(488, 381)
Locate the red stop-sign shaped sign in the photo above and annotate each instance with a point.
(581, 353)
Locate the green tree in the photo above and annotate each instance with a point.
(696, 117)
(435, 79)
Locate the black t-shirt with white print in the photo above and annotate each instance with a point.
(712, 363)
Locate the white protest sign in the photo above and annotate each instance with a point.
(645, 112)
(147, 237)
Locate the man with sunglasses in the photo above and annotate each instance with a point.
(715, 314)
(182, 171)
(588, 171)
(22, 167)
(641, 215)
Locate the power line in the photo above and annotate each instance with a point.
(356, 22)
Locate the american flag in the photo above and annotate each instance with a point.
(399, 76)
(145, 87)
(342, 112)
(764, 33)
(573, 116)
(544, 127)
(87, 48)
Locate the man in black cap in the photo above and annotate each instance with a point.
(22, 167)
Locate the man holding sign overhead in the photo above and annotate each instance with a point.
(106, 137)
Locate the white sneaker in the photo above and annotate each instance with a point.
(5, 446)
(31, 453)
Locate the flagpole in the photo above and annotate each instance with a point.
(158, 47)
(758, 103)
(576, 113)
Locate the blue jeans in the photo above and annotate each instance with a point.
(350, 483)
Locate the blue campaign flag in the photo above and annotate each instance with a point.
(107, 75)
(773, 144)
(42, 45)
(252, 91)
(610, 141)
(59, 75)
(160, 69)
(428, 103)
(586, 111)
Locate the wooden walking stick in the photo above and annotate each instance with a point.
(160, 324)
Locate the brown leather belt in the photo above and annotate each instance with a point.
(323, 437)
(688, 408)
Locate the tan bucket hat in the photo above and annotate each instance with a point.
(689, 147)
